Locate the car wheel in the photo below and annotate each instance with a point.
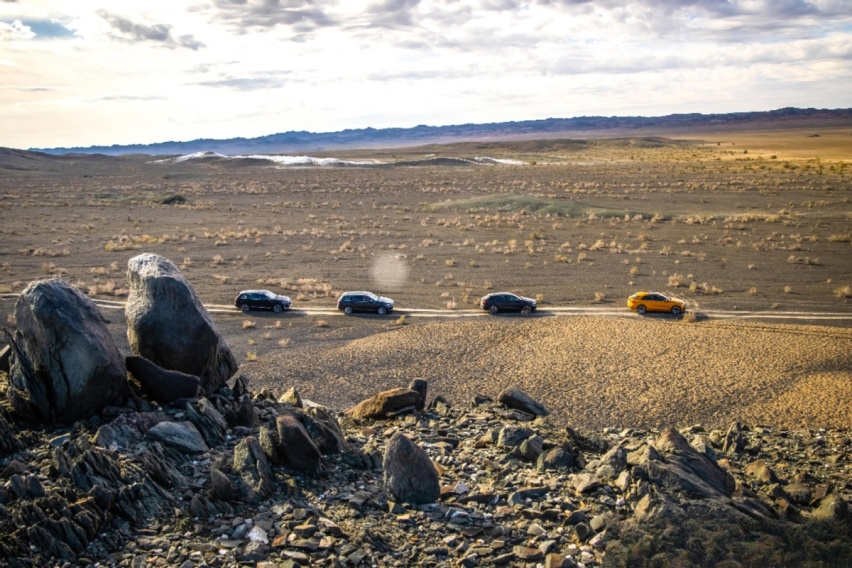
(493, 310)
(641, 310)
(526, 310)
(347, 310)
(382, 310)
(245, 308)
(277, 308)
(676, 310)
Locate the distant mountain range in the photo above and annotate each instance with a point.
(303, 141)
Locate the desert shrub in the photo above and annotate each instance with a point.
(843, 292)
(248, 324)
(844, 238)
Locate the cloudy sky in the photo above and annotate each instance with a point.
(93, 72)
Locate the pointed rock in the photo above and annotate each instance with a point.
(251, 464)
(409, 475)
(298, 449)
(292, 398)
(167, 324)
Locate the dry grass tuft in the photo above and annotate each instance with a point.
(843, 292)
(248, 324)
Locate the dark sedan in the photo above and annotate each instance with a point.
(350, 302)
(249, 300)
(507, 302)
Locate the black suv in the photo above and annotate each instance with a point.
(507, 302)
(364, 302)
(262, 300)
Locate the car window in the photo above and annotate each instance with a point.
(372, 297)
(269, 295)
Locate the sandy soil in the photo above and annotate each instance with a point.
(593, 372)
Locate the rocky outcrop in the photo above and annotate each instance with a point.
(65, 364)
(167, 325)
(446, 486)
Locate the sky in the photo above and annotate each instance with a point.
(102, 72)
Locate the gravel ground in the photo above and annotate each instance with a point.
(593, 372)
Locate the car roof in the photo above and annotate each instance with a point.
(257, 292)
(358, 292)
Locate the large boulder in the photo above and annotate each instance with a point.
(409, 474)
(65, 364)
(167, 324)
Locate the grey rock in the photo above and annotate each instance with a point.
(511, 436)
(529, 450)
(161, 384)
(221, 487)
(761, 472)
(209, 422)
(297, 448)
(183, 436)
(409, 475)
(292, 398)
(9, 442)
(5, 356)
(65, 364)
(799, 493)
(832, 508)
(519, 400)
(167, 324)
(560, 457)
(251, 464)
(421, 387)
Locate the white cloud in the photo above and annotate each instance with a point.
(15, 30)
(172, 69)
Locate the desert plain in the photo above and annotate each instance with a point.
(752, 229)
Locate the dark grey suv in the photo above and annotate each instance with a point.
(507, 302)
(350, 302)
(262, 300)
